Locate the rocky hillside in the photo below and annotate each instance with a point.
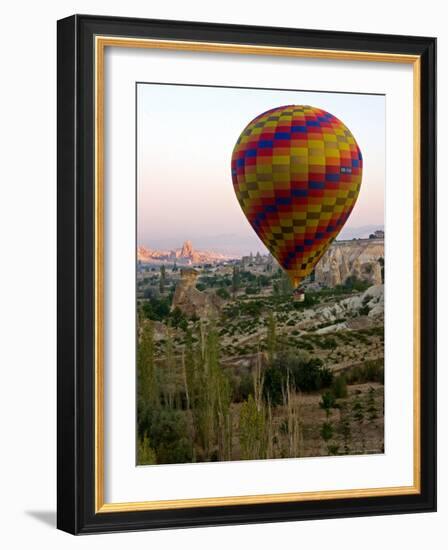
(352, 312)
(357, 258)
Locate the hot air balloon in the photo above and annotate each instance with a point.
(297, 173)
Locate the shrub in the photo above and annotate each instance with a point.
(242, 387)
(145, 453)
(250, 290)
(327, 402)
(326, 432)
(353, 283)
(223, 293)
(156, 309)
(274, 380)
(167, 431)
(333, 449)
(252, 430)
(263, 280)
(339, 387)
(328, 343)
(178, 319)
(364, 310)
(307, 345)
(371, 371)
(326, 377)
(306, 374)
(249, 308)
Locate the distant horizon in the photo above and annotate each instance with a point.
(207, 245)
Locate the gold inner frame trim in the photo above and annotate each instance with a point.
(101, 42)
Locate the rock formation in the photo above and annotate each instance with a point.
(186, 255)
(358, 258)
(192, 301)
(187, 250)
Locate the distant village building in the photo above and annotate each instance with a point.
(246, 261)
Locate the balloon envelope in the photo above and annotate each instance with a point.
(297, 172)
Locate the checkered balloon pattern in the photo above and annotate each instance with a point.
(297, 172)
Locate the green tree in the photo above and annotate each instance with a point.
(223, 415)
(178, 319)
(169, 436)
(191, 385)
(252, 431)
(162, 280)
(327, 402)
(210, 396)
(235, 281)
(359, 416)
(339, 387)
(358, 410)
(145, 453)
(345, 429)
(147, 383)
(169, 371)
(326, 431)
(291, 402)
(156, 309)
(271, 338)
(307, 374)
(223, 293)
(274, 380)
(333, 448)
(326, 376)
(219, 395)
(310, 375)
(371, 408)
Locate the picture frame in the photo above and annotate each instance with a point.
(82, 202)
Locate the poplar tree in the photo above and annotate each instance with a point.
(291, 402)
(162, 279)
(235, 281)
(147, 385)
(252, 426)
(169, 371)
(271, 338)
(145, 453)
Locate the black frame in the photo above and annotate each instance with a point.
(75, 475)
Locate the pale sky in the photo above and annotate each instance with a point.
(185, 138)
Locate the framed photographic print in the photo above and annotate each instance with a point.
(246, 274)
